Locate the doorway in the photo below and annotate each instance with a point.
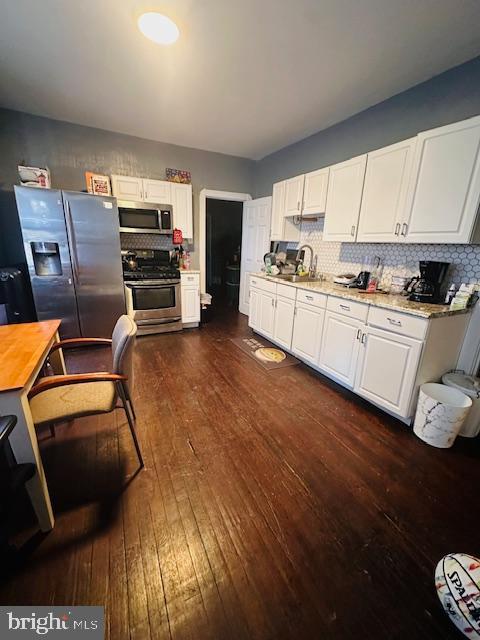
(223, 244)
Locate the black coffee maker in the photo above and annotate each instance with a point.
(428, 288)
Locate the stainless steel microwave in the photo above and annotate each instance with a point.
(144, 217)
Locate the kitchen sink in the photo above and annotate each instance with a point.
(295, 278)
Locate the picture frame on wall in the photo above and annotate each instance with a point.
(179, 175)
(98, 184)
(34, 177)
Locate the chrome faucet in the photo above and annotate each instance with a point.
(312, 272)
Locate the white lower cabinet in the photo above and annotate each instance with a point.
(254, 308)
(387, 369)
(381, 354)
(307, 332)
(284, 316)
(190, 297)
(266, 313)
(340, 346)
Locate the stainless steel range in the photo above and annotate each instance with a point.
(152, 290)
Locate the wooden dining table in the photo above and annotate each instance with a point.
(23, 351)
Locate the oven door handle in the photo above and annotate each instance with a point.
(142, 285)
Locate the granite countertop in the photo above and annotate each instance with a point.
(383, 300)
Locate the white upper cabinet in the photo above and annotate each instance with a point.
(282, 228)
(158, 191)
(181, 198)
(294, 196)
(278, 206)
(444, 192)
(387, 176)
(315, 192)
(127, 188)
(344, 197)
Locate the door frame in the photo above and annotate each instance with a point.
(214, 195)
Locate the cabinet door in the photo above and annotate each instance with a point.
(293, 196)
(384, 193)
(340, 345)
(284, 312)
(157, 191)
(127, 188)
(307, 332)
(315, 192)
(387, 369)
(254, 308)
(190, 304)
(267, 314)
(182, 208)
(444, 191)
(345, 186)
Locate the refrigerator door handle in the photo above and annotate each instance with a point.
(73, 244)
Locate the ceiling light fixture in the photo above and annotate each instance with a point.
(158, 28)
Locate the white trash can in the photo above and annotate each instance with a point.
(470, 386)
(441, 411)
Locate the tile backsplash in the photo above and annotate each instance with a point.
(401, 259)
(148, 241)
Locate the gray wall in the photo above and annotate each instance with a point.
(453, 95)
(69, 150)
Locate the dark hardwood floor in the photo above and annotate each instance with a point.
(273, 505)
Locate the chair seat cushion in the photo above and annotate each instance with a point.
(72, 400)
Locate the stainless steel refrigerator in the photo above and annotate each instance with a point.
(72, 247)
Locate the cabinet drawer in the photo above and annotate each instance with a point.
(263, 285)
(286, 291)
(402, 323)
(312, 297)
(190, 279)
(348, 308)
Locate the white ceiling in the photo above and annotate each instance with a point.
(246, 77)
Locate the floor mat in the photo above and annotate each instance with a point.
(264, 353)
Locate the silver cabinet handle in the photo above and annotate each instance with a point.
(404, 229)
(352, 232)
(345, 307)
(309, 297)
(397, 228)
(273, 302)
(364, 338)
(253, 281)
(397, 323)
(359, 333)
(298, 205)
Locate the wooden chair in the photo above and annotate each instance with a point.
(61, 398)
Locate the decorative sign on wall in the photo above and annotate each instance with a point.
(178, 175)
(34, 177)
(97, 184)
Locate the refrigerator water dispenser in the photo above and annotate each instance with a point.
(46, 258)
